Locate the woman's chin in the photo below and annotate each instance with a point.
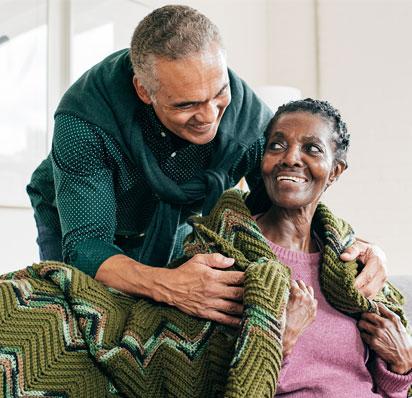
(292, 203)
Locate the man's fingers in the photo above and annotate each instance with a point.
(215, 260)
(224, 319)
(352, 252)
(374, 275)
(233, 293)
(369, 283)
(230, 277)
(226, 306)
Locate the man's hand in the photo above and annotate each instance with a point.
(386, 335)
(374, 275)
(199, 287)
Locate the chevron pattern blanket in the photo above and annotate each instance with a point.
(62, 334)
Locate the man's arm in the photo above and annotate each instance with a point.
(198, 287)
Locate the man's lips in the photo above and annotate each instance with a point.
(201, 127)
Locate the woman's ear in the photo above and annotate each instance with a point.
(339, 167)
(141, 91)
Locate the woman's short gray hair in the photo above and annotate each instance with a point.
(172, 32)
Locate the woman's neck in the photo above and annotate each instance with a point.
(289, 228)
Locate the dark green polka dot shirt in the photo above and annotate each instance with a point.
(90, 192)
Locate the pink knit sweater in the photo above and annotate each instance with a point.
(329, 359)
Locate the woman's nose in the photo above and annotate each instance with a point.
(292, 157)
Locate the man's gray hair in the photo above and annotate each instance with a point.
(172, 32)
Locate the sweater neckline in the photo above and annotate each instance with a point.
(293, 256)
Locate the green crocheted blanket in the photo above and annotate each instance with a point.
(62, 334)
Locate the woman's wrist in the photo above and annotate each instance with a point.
(401, 369)
(289, 342)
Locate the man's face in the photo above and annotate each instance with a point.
(193, 94)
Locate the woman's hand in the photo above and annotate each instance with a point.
(386, 335)
(374, 275)
(300, 313)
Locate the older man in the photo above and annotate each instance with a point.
(143, 140)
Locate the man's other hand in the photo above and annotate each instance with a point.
(374, 275)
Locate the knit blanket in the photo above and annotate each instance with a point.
(63, 334)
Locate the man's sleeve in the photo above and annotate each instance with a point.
(84, 194)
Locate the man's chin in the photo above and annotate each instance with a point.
(200, 138)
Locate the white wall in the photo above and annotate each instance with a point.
(369, 76)
(17, 239)
(355, 53)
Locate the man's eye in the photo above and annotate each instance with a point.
(184, 106)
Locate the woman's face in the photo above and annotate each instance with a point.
(298, 164)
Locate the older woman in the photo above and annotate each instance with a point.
(324, 355)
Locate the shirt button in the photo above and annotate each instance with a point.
(163, 134)
(141, 235)
(173, 155)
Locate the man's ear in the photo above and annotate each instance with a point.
(141, 91)
(339, 167)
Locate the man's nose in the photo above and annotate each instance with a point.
(208, 112)
(292, 157)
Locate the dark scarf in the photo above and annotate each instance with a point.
(105, 97)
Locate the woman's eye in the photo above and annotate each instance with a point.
(275, 146)
(314, 148)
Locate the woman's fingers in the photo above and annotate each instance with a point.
(367, 326)
(388, 314)
(298, 287)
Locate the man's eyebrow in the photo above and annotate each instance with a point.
(225, 86)
(185, 103)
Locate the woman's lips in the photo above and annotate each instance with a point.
(296, 179)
